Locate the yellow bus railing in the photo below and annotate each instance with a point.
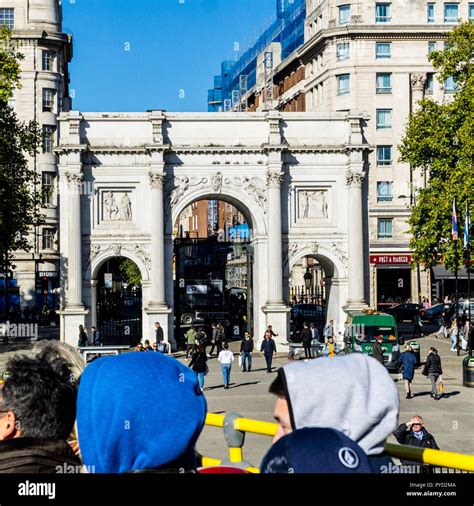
(232, 422)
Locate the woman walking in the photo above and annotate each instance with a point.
(408, 362)
(199, 364)
(433, 370)
(453, 331)
(82, 337)
(226, 357)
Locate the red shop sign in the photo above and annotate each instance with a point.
(390, 259)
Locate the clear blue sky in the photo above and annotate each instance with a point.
(134, 55)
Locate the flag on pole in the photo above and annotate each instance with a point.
(467, 227)
(454, 222)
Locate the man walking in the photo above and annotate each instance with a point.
(214, 335)
(329, 330)
(95, 336)
(307, 338)
(269, 349)
(246, 349)
(159, 336)
(408, 363)
(190, 335)
(377, 350)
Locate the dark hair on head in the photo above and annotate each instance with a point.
(277, 387)
(434, 349)
(42, 392)
(226, 346)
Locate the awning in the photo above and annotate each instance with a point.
(439, 272)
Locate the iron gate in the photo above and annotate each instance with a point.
(307, 306)
(119, 315)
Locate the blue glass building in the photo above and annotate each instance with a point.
(287, 29)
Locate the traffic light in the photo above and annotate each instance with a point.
(435, 290)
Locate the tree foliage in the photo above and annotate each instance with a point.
(440, 140)
(130, 272)
(20, 196)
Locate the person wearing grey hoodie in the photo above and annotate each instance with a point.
(353, 394)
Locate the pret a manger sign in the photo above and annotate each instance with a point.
(391, 259)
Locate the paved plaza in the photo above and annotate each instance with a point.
(449, 419)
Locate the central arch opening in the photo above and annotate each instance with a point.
(212, 269)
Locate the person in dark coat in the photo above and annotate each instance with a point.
(377, 350)
(433, 370)
(82, 337)
(159, 336)
(407, 361)
(307, 338)
(269, 349)
(246, 350)
(413, 433)
(199, 364)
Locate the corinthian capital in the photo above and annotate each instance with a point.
(74, 180)
(157, 180)
(274, 179)
(355, 178)
(417, 81)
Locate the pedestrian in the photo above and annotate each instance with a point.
(155, 346)
(307, 340)
(159, 336)
(270, 329)
(147, 346)
(315, 332)
(465, 334)
(190, 335)
(95, 336)
(331, 349)
(377, 350)
(202, 338)
(426, 303)
(214, 334)
(417, 325)
(407, 361)
(355, 395)
(82, 337)
(433, 370)
(246, 350)
(269, 349)
(453, 332)
(413, 433)
(442, 328)
(226, 357)
(328, 330)
(139, 347)
(199, 364)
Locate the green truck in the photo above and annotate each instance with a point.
(362, 331)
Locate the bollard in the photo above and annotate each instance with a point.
(468, 372)
(235, 440)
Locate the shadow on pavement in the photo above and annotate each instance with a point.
(244, 384)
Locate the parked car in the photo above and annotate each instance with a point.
(457, 309)
(405, 311)
(300, 313)
(433, 313)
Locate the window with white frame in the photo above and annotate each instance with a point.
(343, 51)
(385, 228)
(48, 99)
(429, 84)
(47, 185)
(12, 103)
(471, 11)
(384, 118)
(47, 60)
(384, 155)
(384, 191)
(344, 14)
(451, 12)
(48, 238)
(48, 138)
(343, 84)
(383, 50)
(450, 85)
(7, 18)
(430, 13)
(383, 13)
(431, 47)
(384, 82)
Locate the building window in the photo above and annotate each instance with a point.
(429, 84)
(343, 84)
(7, 18)
(471, 12)
(431, 47)
(384, 191)
(451, 13)
(48, 100)
(48, 58)
(384, 83)
(384, 118)
(344, 14)
(48, 238)
(343, 51)
(47, 184)
(384, 155)
(383, 50)
(450, 85)
(430, 13)
(11, 103)
(48, 138)
(383, 13)
(385, 228)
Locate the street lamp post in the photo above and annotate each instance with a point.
(308, 280)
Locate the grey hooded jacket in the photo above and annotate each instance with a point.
(353, 394)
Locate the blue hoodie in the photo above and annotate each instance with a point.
(139, 411)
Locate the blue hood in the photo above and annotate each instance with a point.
(138, 411)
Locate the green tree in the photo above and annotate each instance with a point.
(20, 197)
(439, 140)
(130, 272)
